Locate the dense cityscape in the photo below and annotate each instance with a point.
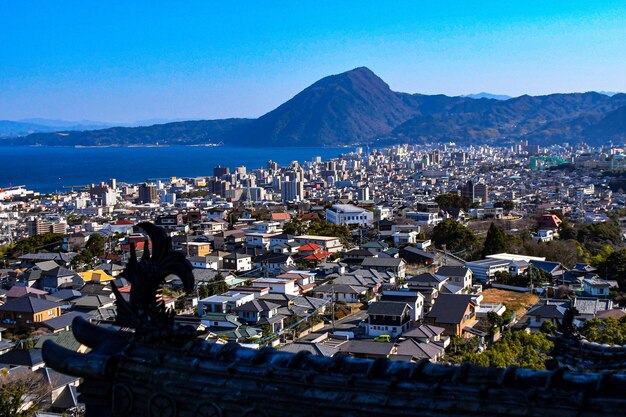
(444, 253)
(313, 209)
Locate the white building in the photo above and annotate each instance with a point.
(349, 215)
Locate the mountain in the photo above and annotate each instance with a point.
(10, 128)
(337, 110)
(176, 133)
(488, 95)
(358, 107)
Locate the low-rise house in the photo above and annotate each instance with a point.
(388, 317)
(305, 281)
(274, 263)
(27, 358)
(397, 266)
(205, 262)
(555, 270)
(414, 299)
(261, 313)
(30, 259)
(596, 286)
(455, 313)
(323, 345)
(589, 307)
(224, 303)
(416, 256)
(341, 292)
(278, 285)
(238, 262)
(421, 350)
(196, 248)
(460, 276)
(369, 349)
(552, 311)
(405, 238)
(18, 291)
(429, 284)
(25, 312)
(375, 246)
(229, 240)
(426, 333)
(327, 243)
(63, 322)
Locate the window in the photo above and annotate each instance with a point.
(49, 312)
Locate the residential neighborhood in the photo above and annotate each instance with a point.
(387, 254)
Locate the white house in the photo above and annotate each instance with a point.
(413, 298)
(426, 218)
(223, 303)
(277, 285)
(205, 262)
(349, 215)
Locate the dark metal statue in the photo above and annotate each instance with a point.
(158, 370)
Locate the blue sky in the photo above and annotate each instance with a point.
(122, 61)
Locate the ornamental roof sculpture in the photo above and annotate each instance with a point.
(152, 367)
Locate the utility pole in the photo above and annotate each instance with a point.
(332, 308)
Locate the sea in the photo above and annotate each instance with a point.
(57, 169)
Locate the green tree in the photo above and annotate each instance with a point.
(453, 201)
(507, 205)
(615, 268)
(454, 235)
(326, 228)
(517, 348)
(45, 241)
(21, 395)
(295, 227)
(567, 231)
(94, 248)
(610, 331)
(495, 241)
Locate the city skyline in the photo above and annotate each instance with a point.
(120, 63)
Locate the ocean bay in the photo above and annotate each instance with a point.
(49, 169)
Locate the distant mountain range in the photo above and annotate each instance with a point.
(357, 107)
(488, 95)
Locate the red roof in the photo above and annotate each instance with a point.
(124, 222)
(309, 247)
(318, 256)
(280, 216)
(138, 245)
(124, 289)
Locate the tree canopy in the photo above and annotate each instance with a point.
(495, 241)
(615, 268)
(454, 235)
(610, 331)
(47, 241)
(453, 201)
(516, 348)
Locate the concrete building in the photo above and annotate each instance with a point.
(349, 215)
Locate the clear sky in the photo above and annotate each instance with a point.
(122, 61)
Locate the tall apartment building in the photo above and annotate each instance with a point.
(220, 171)
(292, 191)
(147, 193)
(39, 227)
(475, 189)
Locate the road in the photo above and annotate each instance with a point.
(346, 323)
